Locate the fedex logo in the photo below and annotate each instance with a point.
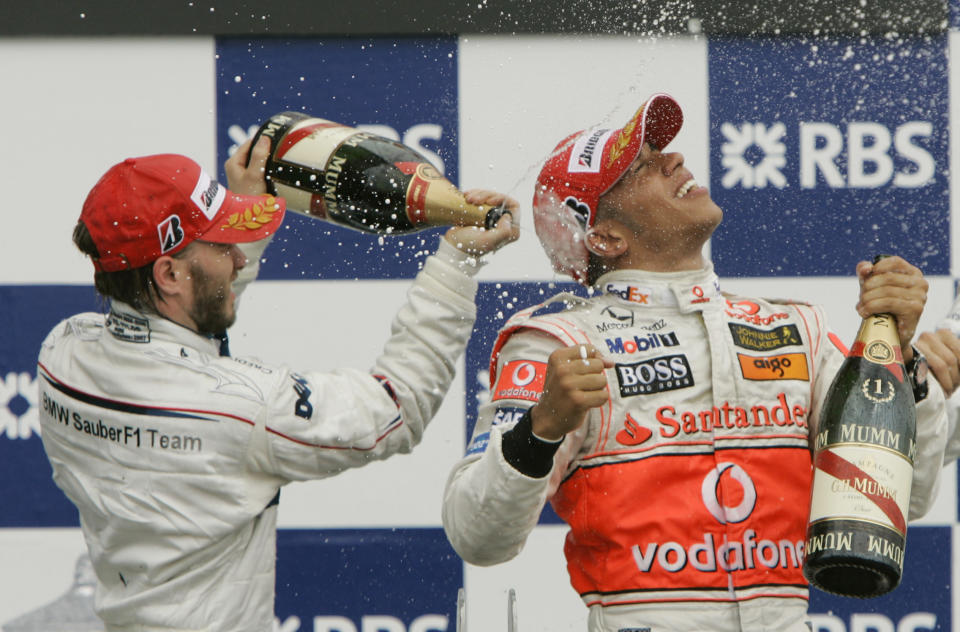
(630, 293)
(859, 155)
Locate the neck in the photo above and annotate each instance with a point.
(661, 258)
(172, 310)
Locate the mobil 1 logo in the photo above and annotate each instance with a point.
(654, 375)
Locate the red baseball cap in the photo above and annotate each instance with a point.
(584, 166)
(151, 206)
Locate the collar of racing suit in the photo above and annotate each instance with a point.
(687, 290)
(128, 324)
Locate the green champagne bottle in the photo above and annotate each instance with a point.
(863, 469)
(360, 180)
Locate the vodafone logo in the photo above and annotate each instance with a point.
(524, 374)
(521, 379)
(709, 492)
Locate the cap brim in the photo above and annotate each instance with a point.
(657, 122)
(244, 218)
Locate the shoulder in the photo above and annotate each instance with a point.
(85, 326)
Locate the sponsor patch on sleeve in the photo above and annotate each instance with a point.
(505, 416)
(521, 379)
(479, 443)
(788, 366)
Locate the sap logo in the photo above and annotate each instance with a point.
(413, 137)
(508, 415)
(871, 622)
(381, 623)
(19, 418)
(754, 155)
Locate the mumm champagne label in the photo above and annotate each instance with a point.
(864, 450)
(360, 180)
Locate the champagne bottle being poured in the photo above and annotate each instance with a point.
(360, 180)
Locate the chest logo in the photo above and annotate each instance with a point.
(633, 433)
(656, 375)
(722, 481)
(764, 339)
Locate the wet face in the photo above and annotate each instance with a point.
(213, 268)
(661, 202)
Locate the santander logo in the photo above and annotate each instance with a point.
(633, 433)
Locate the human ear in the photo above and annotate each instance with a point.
(605, 240)
(168, 276)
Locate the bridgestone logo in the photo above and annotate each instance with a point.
(656, 375)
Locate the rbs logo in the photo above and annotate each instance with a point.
(859, 155)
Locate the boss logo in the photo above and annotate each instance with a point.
(656, 375)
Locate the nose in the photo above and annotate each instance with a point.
(239, 259)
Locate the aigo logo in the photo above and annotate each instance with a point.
(866, 149)
(710, 494)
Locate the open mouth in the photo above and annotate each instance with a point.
(687, 186)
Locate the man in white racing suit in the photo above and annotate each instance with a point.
(173, 452)
(941, 348)
(668, 423)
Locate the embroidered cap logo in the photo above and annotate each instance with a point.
(171, 234)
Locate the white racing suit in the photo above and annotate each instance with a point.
(687, 494)
(174, 455)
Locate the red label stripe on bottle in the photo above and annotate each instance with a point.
(295, 136)
(417, 199)
(840, 468)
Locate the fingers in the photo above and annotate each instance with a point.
(942, 350)
(491, 198)
(574, 383)
(478, 241)
(245, 169)
(893, 286)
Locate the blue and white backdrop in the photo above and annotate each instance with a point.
(822, 152)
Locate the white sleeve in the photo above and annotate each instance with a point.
(320, 423)
(490, 507)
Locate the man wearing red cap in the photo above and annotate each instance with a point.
(173, 452)
(668, 423)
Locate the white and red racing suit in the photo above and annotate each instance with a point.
(174, 455)
(687, 494)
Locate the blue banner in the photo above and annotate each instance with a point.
(30, 498)
(352, 580)
(404, 89)
(825, 152)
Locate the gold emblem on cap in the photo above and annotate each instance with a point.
(253, 218)
(623, 138)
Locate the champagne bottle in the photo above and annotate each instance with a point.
(863, 469)
(360, 180)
